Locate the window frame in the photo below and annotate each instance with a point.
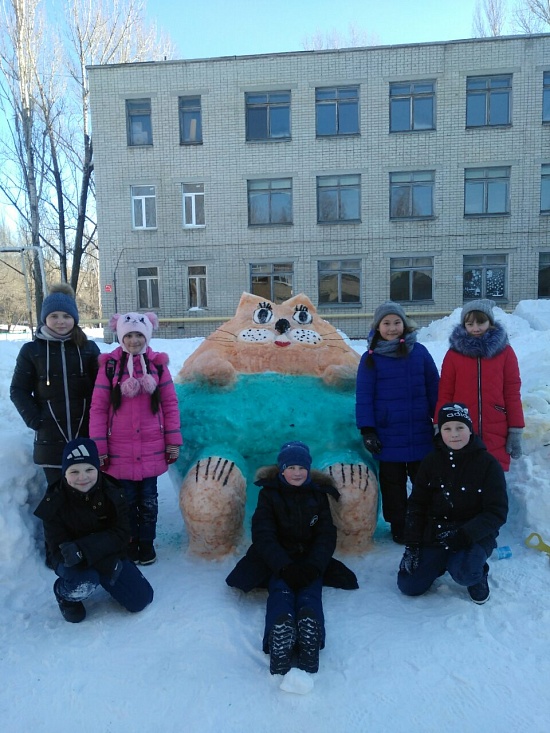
(339, 101)
(546, 98)
(271, 271)
(186, 109)
(414, 94)
(412, 181)
(143, 198)
(200, 281)
(488, 180)
(271, 106)
(340, 187)
(412, 267)
(540, 270)
(340, 268)
(133, 112)
(489, 93)
(149, 279)
(193, 197)
(484, 265)
(270, 190)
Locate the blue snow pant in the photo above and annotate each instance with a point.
(143, 507)
(283, 601)
(131, 589)
(466, 567)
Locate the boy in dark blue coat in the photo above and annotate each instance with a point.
(457, 505)
(87, 532)
(293, 538)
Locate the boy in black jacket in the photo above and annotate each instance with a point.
(293, 538)
(456, 507)
(87, 531)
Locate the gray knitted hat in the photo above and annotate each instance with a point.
(483, 305)
(386, 309)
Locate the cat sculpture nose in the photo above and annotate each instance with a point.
(282, 326)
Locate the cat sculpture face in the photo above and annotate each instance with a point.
(290, 338)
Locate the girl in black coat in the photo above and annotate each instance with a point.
(53, 380)
(87, 531)
(293, 539)
(456, 507)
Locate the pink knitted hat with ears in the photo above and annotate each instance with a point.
(143, 323)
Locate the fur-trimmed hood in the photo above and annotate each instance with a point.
(492, 343)
(269, 476)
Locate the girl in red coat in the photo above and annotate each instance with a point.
(135, 423)
(481, 370)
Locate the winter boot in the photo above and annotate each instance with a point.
(479, 593)
(309, 640)
(147, 554)
(72, 611)
(282, 638)
(133, 551)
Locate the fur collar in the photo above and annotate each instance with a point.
(492, 343)
(268, 476)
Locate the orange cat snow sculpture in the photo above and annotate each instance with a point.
(271, 374)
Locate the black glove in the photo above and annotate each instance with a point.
(453, 539)
(72, 554)
(410, 560)
(371, 442)
(297, 575)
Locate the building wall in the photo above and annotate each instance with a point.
(226, 161)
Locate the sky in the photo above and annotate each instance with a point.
(192, 660)
(239, 27)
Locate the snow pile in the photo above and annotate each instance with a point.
(192, 661)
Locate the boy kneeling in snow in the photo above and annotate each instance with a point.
(293, 538)
(456, 507)
(87, 531)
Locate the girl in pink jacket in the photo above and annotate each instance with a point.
(135, 422)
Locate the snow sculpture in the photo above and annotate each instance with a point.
(271, 374)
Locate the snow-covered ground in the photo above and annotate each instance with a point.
(192, 661)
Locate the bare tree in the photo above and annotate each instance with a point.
(324, 40)
(532, 16)
(47, 171)
(489, 18)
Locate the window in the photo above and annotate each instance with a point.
(144, 207)
(193, 204)
(339, 282)
(484, 276)
(412, 106)
(138, 117)
(268, 116)
(411, 195)
(488, 100)
(546, 97)
(196, 286)
(337, 111)
(545, 189)
(148, 287)
(338, 198)
(486, 191)
(544, 275)
(270, 201)
(411, 278)
(190, 120)
(272, 281)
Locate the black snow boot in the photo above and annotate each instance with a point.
(72, 611)
(133, 551)
(282, 638)
(309, 640)
(147, 554)
(479, 593)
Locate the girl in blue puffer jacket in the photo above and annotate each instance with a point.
(397, 384)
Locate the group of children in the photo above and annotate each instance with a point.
(106, 426)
